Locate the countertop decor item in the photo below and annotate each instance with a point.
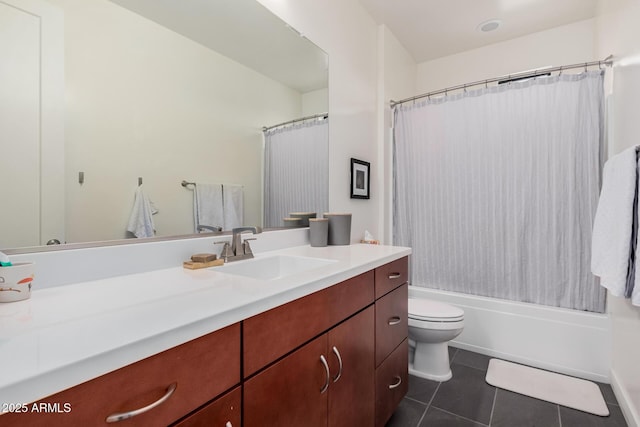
(304, 217)
(318, 231)
(360, 179)
(339, 228)
(16, 281)
(292, 222)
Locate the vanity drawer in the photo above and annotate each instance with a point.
(391, 275)
(392, 383)
(391, 321)
(225, 411)
(274, 333)
(200, 370)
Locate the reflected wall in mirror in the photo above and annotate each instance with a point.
(161, 90)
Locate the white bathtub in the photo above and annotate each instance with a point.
(571, 342)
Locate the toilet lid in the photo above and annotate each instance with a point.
(435, 311)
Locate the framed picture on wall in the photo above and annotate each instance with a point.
(360, 179)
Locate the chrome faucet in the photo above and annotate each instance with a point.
(239, 249)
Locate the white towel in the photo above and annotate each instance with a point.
(233, 206)
(613, 224)
(207, 206)
(141, 218)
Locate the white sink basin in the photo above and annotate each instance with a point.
(274, 267)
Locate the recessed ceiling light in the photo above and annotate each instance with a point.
(490, 25)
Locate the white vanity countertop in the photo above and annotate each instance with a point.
(66, 335)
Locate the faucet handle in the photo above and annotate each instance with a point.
(246, 248)
(226, 252)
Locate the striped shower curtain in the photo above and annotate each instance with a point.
(296, 170)
(496, 190)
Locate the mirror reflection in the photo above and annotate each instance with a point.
(157, 92)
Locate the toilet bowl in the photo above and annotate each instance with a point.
(432, 324)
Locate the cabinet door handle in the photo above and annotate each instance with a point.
(394, 276)
(337, 353)
(130, 414)
(392, 386)
(394, 320)
(326, 368)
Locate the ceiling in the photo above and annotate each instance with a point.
(244, 31)
(431, 29)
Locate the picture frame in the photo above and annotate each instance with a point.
(360, 179)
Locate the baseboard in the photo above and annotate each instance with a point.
(536, 363)
(629, 410)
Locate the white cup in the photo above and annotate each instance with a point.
(16, 281)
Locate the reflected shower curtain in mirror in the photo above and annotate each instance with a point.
(496, 190)
(296, 170)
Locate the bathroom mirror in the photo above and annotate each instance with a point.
(157, 92)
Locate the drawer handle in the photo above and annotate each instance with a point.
(130, 414)
(394, 320)
(337, 353)
(394, 276)
(392, 386)
(326, 368)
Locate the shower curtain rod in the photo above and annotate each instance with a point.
(525, 74)
(315, 116)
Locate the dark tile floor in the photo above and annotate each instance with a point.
(467, 400)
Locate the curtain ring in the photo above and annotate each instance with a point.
(464, 88)
(585, 67)
(486, 84)
(560, 73)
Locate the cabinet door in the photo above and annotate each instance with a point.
(350, 352)
(292, 392)
(223, 412)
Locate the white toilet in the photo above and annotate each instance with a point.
(432, 324)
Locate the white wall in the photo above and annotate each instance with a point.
(135, 88)
(568, 44)
(619, 34)
(315, 102)
(397, 80)
(344, 30)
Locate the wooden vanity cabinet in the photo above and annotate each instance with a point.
(200, 370)
(391, 353)
(328, 377)
(285, 351)
(327, 382)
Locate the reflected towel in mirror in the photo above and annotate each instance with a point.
(233, 202)
(141, 218)
(207, 205)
